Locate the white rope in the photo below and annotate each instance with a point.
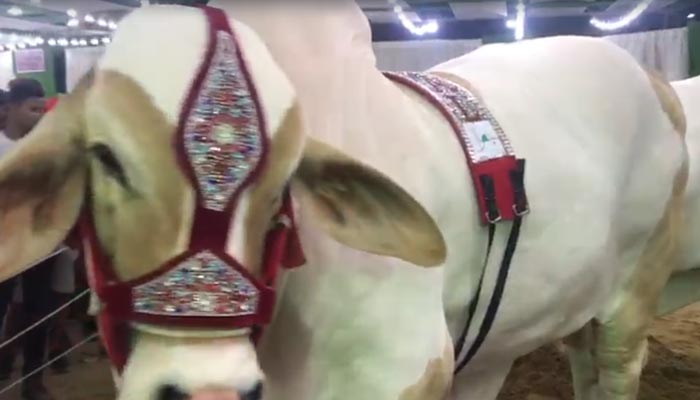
(41, 321)
(53, 360)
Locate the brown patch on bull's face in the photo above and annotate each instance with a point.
(669, 100)
(436, 380)
(143, 202)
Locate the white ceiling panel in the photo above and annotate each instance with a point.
(373, 3)
(388, 16)
(479, 10)
(20, 24)
(82, 6)
(556, 11)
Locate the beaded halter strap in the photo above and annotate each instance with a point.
(222, 146)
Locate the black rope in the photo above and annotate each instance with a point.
(517, 178)
(459, 345)
(497, 296)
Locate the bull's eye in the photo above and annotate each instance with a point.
(109, 161)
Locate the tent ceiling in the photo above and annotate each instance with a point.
(50, 15)
(380, 12)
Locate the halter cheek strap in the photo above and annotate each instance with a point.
(282, 248)
(221, 146)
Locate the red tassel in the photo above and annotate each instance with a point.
(115, 337)
(51, 103)
(294, 254)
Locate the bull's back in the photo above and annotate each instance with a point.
(601, 159)
(689, 93)
(586, 117)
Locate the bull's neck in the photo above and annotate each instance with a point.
(326, 52)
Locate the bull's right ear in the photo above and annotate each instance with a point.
(42, 184)
(364, 209)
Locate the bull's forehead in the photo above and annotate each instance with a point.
(162, 49)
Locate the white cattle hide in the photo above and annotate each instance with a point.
(583, 114)
(689, 92)
(684, 286)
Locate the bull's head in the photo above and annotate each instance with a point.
(113, 141)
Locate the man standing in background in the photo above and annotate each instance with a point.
(4, 141)
(25, 109)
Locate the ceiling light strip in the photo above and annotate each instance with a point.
(623, 21)
(18, 41)
(430, 26)
(75, 19)
(520, 21)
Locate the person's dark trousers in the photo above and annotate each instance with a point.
(59, 339)
(7, 353)
(37, 302)
(14, 322)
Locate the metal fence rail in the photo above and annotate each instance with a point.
(34, 325)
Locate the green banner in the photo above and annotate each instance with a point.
(694, 47)
(44, 73)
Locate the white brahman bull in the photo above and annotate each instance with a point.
(684, 286)
(606, 173)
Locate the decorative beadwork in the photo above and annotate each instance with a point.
(463, 106)
(200, 286)
(222, 136)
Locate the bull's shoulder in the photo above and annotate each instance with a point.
(545, 53)
(556, 66)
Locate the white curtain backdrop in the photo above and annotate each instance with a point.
(7, 71)
(78, 62)
(665, 50)
(419, 55)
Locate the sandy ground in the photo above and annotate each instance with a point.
(673, 371)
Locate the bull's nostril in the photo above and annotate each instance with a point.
(171, 392)
(255, 393)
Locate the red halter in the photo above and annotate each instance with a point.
(51, 103)
(222, 146)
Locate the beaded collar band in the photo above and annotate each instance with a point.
(221, 145)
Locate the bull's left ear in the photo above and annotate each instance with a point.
(42, 183)
(363, 209)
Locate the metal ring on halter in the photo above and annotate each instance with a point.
(284, 221)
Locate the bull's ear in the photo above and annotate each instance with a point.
(42, 183)
(363, 209)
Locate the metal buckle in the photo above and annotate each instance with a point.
(519, 213)
(494, 220)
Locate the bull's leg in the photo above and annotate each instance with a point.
(483, 385)
(621, 332)
(619, 355)
(579, 348)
